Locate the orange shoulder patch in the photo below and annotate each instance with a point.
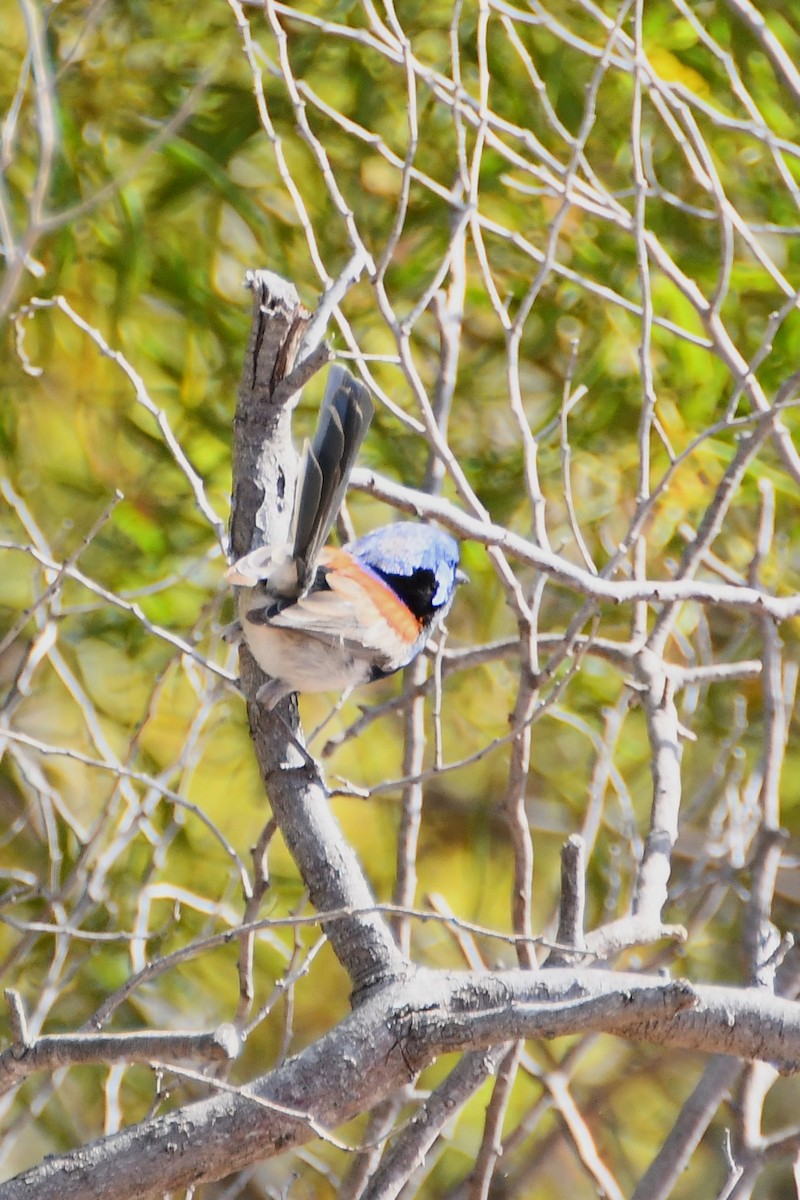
(347, 577)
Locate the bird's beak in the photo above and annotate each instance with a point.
(461, 576)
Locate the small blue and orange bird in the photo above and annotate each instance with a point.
(318, 618)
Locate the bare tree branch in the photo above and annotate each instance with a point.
(263, 492)
(384, 1043)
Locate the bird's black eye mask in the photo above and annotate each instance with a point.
(416, 590)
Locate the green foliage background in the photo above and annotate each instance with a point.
(165, 188)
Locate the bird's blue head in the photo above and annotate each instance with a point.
(418, 562)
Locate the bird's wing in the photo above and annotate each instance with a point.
(353, 609)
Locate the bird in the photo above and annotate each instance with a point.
(321, 618)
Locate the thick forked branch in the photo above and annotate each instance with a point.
(385, 1043)
(264, 473)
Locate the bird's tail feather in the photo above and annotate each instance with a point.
(325, 467)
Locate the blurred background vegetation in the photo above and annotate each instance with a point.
(140, 182)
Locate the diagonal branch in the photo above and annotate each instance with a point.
(264, 473)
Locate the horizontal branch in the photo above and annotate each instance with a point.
(55, 1051)
(561, 570)
(383, 1045)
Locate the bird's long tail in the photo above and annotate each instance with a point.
(325, 467)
